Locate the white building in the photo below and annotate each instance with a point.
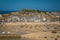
(44, 19)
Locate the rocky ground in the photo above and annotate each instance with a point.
(42, 36)
(50, 31)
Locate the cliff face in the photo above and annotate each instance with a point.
(35, 16)
(31, 16)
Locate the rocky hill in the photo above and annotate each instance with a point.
(31, 24)
(31, 15)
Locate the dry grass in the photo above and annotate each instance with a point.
(41, 35)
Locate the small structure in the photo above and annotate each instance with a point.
(44, 19)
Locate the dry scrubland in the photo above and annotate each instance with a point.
(45, 29)
(33, 33)
(42, 36)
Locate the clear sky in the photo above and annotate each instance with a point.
(13, 5)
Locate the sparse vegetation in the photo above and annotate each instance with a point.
(29, 10)
(30, 22)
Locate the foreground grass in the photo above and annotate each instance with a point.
(42, 36)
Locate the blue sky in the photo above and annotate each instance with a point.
(13, 5)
